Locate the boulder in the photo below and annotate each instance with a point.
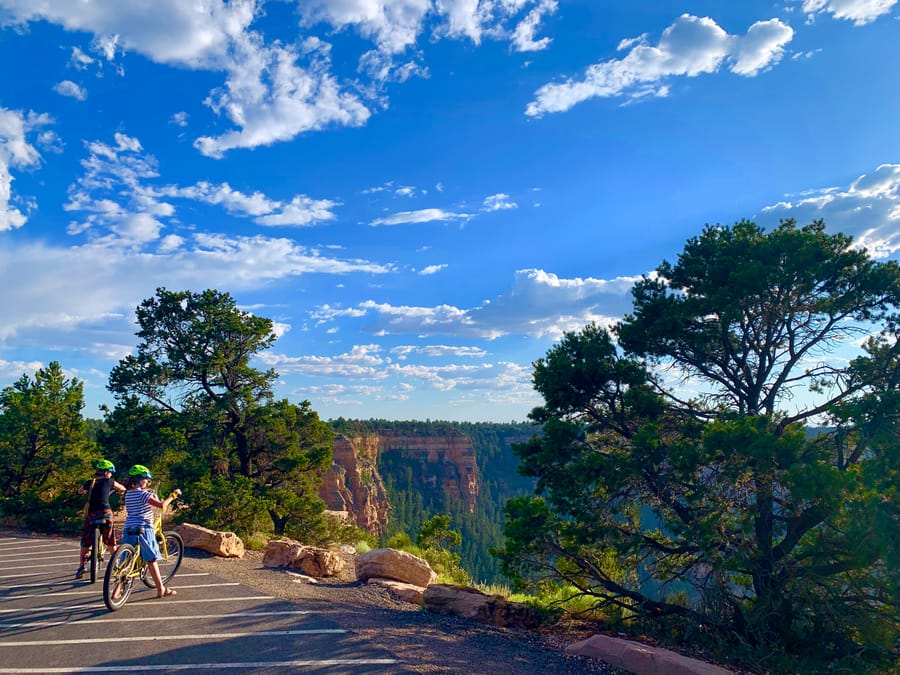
(316, 562)
(400, 590)
(388, 563)
(224, 544)
(471, 603)
(319, 562)
(281, 552)
(642, 659)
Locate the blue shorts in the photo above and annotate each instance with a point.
(144, 537)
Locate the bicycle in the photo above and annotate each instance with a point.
(126, 565)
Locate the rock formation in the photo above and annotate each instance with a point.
(444, 463)
(352, 483)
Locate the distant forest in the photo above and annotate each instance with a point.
(499, 480)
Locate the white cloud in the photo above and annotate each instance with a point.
(523, 37)
(438, 351)
(79, 60)
(421, 216)
(69, 88)
(689, 47)
(499, 202)
(16, 152)
(868, 209)
(270, 98)
(179, 119)
(540, 304)
(860, 12)
(80, 285)
(431, 269)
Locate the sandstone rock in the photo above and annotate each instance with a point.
(400, 590)
(316, 562)
(642, 659)
(472, 603)
(319, 562)
(224, 544)
(388, 563)
(281, 552)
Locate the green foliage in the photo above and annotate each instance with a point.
(45, 452)
(191, 405)
(432, 542)
(708, 503)
(227, 503)
(412, 499)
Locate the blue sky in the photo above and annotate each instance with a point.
(422, 194)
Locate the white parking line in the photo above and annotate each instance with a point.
(71, 555)
(126, 619)
(50, 608)
(24, 546)
(134, 668)
(50, 584)
(94, 591)
(155, 638)
(28, 567)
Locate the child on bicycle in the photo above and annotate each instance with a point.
(140, 501)
(99, 512)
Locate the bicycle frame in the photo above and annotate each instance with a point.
(126, 565)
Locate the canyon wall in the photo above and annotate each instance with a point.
(443, 463)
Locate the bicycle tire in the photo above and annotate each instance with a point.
(117, 584)
(95, 553)
(167, 567)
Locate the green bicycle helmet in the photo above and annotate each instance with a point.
(140, 471)
(104, 465)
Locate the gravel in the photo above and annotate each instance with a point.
(424, 642)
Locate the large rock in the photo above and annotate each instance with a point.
(388, 563)
(316, 562)
(400, 590)
(471, 603)
(642, 659)
(224, 544)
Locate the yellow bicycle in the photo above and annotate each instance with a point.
(127, 565)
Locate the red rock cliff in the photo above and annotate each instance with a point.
(444, 462)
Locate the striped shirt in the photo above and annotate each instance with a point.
(138, 511)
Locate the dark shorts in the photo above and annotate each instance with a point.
(145, 538)
(105, 520)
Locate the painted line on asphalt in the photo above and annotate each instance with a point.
(50, 584)
(27, 574)
(72, 555)
(135, 668)
(155, 638)
(50, 608)
(28, 567)
(26, 546)
(131, 619)
(93, 591)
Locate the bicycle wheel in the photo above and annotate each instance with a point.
(117, 582)
(168, 565)
(95, 553)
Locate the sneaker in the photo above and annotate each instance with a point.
(79, 572)
(100, 559)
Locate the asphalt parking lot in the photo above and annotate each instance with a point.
(52, 623)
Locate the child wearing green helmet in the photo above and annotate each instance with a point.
(98, 510)
(140, 501)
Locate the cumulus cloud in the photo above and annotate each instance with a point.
(499, 202)
(16, 153)
(868, 209)
(860, 12)
(691, 46)
(421, 216)
(540, 304)
(431, 269)
(523, 37)
(70, 89)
